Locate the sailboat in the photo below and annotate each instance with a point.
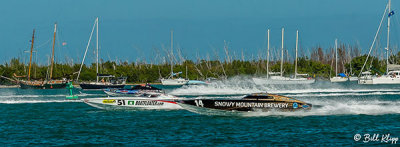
(280, 79)
(171, 80)
(107, 80)
(338, 77)
(49, 83)
(351, 74)
(392, 75)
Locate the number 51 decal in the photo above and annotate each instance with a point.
(199, 103)
(121, 102)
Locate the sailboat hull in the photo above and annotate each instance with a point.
(282, 81)
(43, 86)
(338, 79)
(174, 81)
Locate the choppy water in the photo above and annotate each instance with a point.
(44, 117)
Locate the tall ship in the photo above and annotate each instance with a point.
(392, 74)
(103, 81)
(277, 77)
(49, 83)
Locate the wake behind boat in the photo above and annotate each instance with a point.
(258, 102)
(145, 101)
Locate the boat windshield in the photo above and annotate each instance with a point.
(258, 97)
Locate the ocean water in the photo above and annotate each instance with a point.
(341, 110)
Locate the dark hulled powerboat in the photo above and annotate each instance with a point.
(257, 102)
(134, 90)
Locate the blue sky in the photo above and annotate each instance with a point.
(130, 30)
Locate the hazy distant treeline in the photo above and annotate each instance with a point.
(321, 64)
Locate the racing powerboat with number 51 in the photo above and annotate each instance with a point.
(145, 101)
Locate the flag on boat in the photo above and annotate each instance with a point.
(391, 13)
(64, 43)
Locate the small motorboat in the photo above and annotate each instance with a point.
(257, 102)
(134, 91)
(144, 101)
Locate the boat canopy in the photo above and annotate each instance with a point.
(342, 75)
(258, 96)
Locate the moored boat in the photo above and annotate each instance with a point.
(49, 83)
(257, 102)
(134, 91)
(145, 101)
(107, 80)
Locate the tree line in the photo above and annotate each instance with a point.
(320, 64)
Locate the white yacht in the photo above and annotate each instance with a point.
(392, 70)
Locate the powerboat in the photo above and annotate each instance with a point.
(257, 102)
(134, 90)
(145, 101)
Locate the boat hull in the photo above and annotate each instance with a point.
(132, 103)
(101, 86)
(174, 82)
(243, 105)
(338, 79)
(283, 81)
(43, 86)
(380, 80)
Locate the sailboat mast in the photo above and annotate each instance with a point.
(336, 56)
(268, 55)
(172, 53)
(30, 58)
(297, 43)
(52, 55)
(97, 49)
(387, 46)
(283, 29)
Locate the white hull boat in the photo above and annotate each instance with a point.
(158, 102)
(173, 82)
(392, 78)
(353, 78)
(276, 80)
(338, 79)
